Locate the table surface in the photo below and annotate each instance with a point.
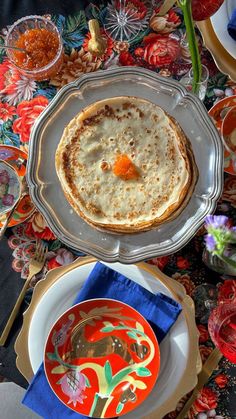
(22, 100)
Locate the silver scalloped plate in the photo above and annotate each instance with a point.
(46, 191)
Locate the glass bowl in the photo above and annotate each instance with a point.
(10, 187)
(26, 24)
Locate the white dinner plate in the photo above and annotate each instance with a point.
(220, 21)
(174, 348)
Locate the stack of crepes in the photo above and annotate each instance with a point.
(125, 165)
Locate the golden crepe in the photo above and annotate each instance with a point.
(125, 165)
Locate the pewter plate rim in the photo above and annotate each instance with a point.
(121, 254)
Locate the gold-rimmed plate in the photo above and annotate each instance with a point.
(179, 351)
(224, 61)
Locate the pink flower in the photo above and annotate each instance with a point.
(64, 257)
(73, 384)
(4, 177)
(59, 337)
(59, 258)
(8, 200)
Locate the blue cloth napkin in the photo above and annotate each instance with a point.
(232, 25)
(160, 310)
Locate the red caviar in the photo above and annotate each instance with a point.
(124, 168)
(41, 47)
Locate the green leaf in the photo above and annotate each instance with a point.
(51, 356)
(107, 323)
(143, 372)
(132, 335)
(55, 245)
(87, 382)
(108, 372)
(60, 369)
(210, 93)
(75, 22)
(119, 408)
(140, 384)
(139, 327)
(107, 329)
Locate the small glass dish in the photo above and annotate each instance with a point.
(10, 187)
(19, 29)
(187, 81)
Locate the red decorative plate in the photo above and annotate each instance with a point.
(17, 158)
(217, 113)
(102, 358)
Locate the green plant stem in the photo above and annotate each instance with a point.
(185, 6)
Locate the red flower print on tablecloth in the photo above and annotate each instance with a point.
(182, 262)
(229, 193)
(221, 380)
(38, 228)
(159, 262)
(206, 400)
(204, 335)
(28, 111)
(164, 24)
(109, 49)
(160, 50)
(125, 58)
(134, 8)
(227, 291)
(14, 86)
(205, 351)
(185, 281)
(6, 112)
(62, 257)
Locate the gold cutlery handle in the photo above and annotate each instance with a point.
(14, 312)
(188, 405)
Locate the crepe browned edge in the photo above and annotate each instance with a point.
(171, 213)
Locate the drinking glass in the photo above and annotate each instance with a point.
(222, 329)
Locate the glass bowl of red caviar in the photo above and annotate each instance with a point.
(41, 53)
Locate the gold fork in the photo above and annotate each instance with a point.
(35, 266)
(207, 369)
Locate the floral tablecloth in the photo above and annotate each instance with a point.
(159, 45)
